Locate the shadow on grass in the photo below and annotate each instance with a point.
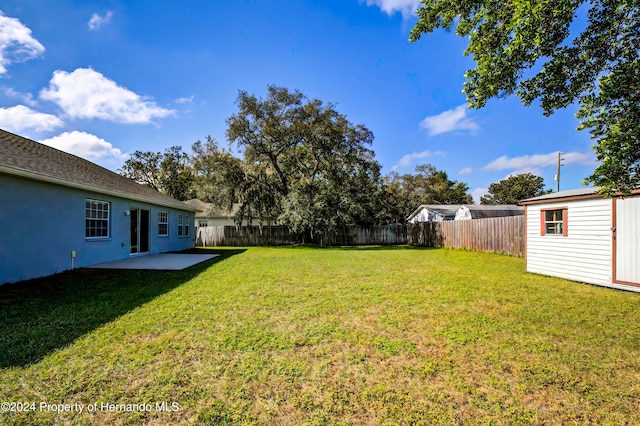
(394, 247)
(358, 248)
(41, 315)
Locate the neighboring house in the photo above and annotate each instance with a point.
(60, 211)
(482, 211)
(207, 215)
(433, 213)
(582, 236)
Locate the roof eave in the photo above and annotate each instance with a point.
(560, 199)
(415, 212)
(27, 174)
(575, 197)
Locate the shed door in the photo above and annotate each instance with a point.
(628, 240)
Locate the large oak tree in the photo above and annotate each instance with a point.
(305, 163)
(529, 48)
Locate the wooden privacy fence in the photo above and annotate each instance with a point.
(245, 236)
(498, 234)
(362, 236)
(280, 235)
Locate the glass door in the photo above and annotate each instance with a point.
(139, 231)
(134, 231)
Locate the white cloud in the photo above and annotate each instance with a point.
(477, 193)
(97, 21)
(579, 158)
(86, 93)
(406, 7)
(16, 43)
(534, 163)
(449, 121)
(20, 117)
(185, 100)
(410, 159)
(26, 98)
(87, 146)
(465, 171)
(537, 171)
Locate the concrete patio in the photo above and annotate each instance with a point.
(158, 262)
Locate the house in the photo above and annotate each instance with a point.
(60, 211)
(482, 211)
(207, 215)
(583, 236)
(433, 213)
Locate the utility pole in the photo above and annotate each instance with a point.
(558, 174)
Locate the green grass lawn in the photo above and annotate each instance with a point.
(322, 336)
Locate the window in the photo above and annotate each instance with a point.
(163, 222)
(186, 225)
(553, 222)
(180, 225)
(203, 224)
(96, 219)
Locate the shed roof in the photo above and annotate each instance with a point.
(569, 193)
(25, 158)
(484, 211)
(446, 210)
(574, 194)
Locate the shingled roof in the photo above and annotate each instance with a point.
(25, 158)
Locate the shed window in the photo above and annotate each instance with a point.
(163, 222)
(180, 225)
(96, 215)
(203, 224)
(186, 225)
(553, 222)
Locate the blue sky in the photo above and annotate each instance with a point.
(102, 79)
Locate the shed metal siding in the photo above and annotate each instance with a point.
(585, 254)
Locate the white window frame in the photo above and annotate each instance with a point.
(93, 209)
(186, 225)
(163, 219)
(203, 224)
(180, 225)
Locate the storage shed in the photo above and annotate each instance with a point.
(582, 236)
